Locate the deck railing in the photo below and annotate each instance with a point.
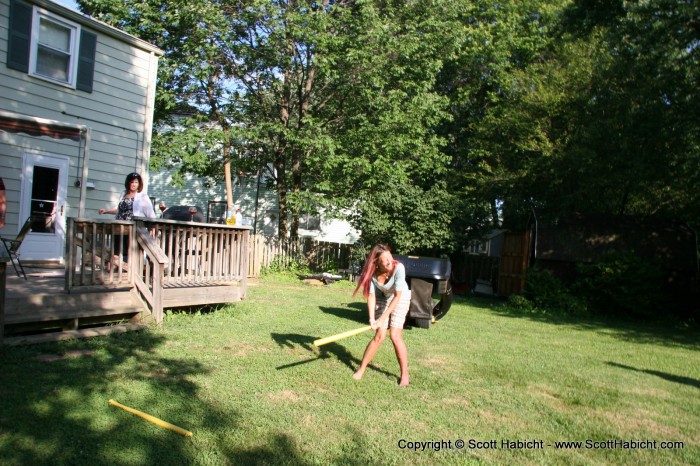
(170, 253)
(92, 252)
(201, 252)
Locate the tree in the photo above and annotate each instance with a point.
(335, 98)
(641, 120)
(384, 159)
(495, 135)
(575, 107)
(195, 108)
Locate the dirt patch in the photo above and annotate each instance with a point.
(285, 396)
(67, 355)
(239, 349)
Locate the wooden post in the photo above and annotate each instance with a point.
(158, 292)
(70, 254)
(243, 267)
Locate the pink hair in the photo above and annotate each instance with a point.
(370, 267)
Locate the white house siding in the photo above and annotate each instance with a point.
(334, 231)
(117, 113)
(198, 191)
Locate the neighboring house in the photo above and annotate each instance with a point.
(476, 268)
(75, 117)
(258, 205)
(490, 245)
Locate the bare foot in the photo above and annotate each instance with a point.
(404, 382)
(358, 375)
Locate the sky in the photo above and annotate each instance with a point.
(68, 3)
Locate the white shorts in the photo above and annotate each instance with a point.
(398, 316)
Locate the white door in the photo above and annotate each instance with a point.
(44, 186)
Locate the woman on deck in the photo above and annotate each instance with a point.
(133, 202)
(383, 283)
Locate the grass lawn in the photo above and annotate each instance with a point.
(248, 382)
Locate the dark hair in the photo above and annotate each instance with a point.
(370, 267)
(131, 177)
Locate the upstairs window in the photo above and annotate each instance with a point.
(53, 50)
(46, 46)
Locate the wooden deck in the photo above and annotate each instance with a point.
(39, 309)
(85, 299)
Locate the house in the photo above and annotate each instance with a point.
(489, 245)
(75, 117)
(257, 202)
(475, 269)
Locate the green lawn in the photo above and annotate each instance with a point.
(248, 382)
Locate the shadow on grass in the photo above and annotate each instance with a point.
(658, 331)
(664, 375)
(355, 312)
(291, 340)
(63, 377)
(49, 413)
(282, 450)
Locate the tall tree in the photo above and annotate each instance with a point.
(194, 109)
(495, 136)
(641, 122)
(334, 97)
(382, 158)
(576, 106)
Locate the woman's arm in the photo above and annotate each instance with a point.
(148, 210)
(3, 204)
(392, 305)
(371, 308)
(113, 210)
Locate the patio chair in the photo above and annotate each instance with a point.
(12, 246)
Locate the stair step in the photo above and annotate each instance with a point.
(49, 314)
(71, 334)
(57, 302)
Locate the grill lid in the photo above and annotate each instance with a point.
(426, 267)
(182, 213)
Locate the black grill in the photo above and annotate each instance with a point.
(428, 277)
(182, 213)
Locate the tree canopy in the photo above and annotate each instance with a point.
(432, 121)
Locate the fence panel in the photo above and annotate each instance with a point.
(513, 263)
(264, 251)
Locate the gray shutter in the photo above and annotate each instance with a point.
(86, 60)
(20, 36)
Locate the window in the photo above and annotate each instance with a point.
(53, 49)
(310, 221)
(477, 247)
(49, 47)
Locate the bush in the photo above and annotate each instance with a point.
(621, 284)
(286, 264)
(520, 303)
(548, 293)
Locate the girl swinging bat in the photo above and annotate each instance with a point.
(383, 283)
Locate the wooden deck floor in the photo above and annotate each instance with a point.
(38, 309)
(39, 280)
(40, 304)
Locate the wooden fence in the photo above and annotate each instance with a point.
(319, 256)
(513, 264)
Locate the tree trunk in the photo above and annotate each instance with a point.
(281, 198)
(227, 178)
